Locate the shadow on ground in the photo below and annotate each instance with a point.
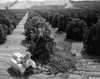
(94, 58)
(25, 43)
(15, 75)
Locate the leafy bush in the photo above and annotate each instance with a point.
(2, 35)
(62, 22)
(14, 16)
(92, 39)
(30, 26)
(55, 21)
(75, 30)
(91, 18)
(42, 45)
(39, 35)
(50, 18)
(8, 21)
(5, 21)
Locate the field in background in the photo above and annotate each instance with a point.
(87, 4)
(56, 4)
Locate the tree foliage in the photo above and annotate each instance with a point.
(8, 21)
(92, 40)
(75, 30)
(37, 32)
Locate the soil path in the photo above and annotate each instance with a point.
(62, 46)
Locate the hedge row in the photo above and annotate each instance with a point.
(92, 40)
(40, 37)
(9, 19)
(43, 46)
(65, 19)
(79, 25)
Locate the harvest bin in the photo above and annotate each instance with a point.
(20, 63)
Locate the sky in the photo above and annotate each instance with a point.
(3, 1)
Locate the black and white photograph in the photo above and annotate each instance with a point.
(49, 39)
